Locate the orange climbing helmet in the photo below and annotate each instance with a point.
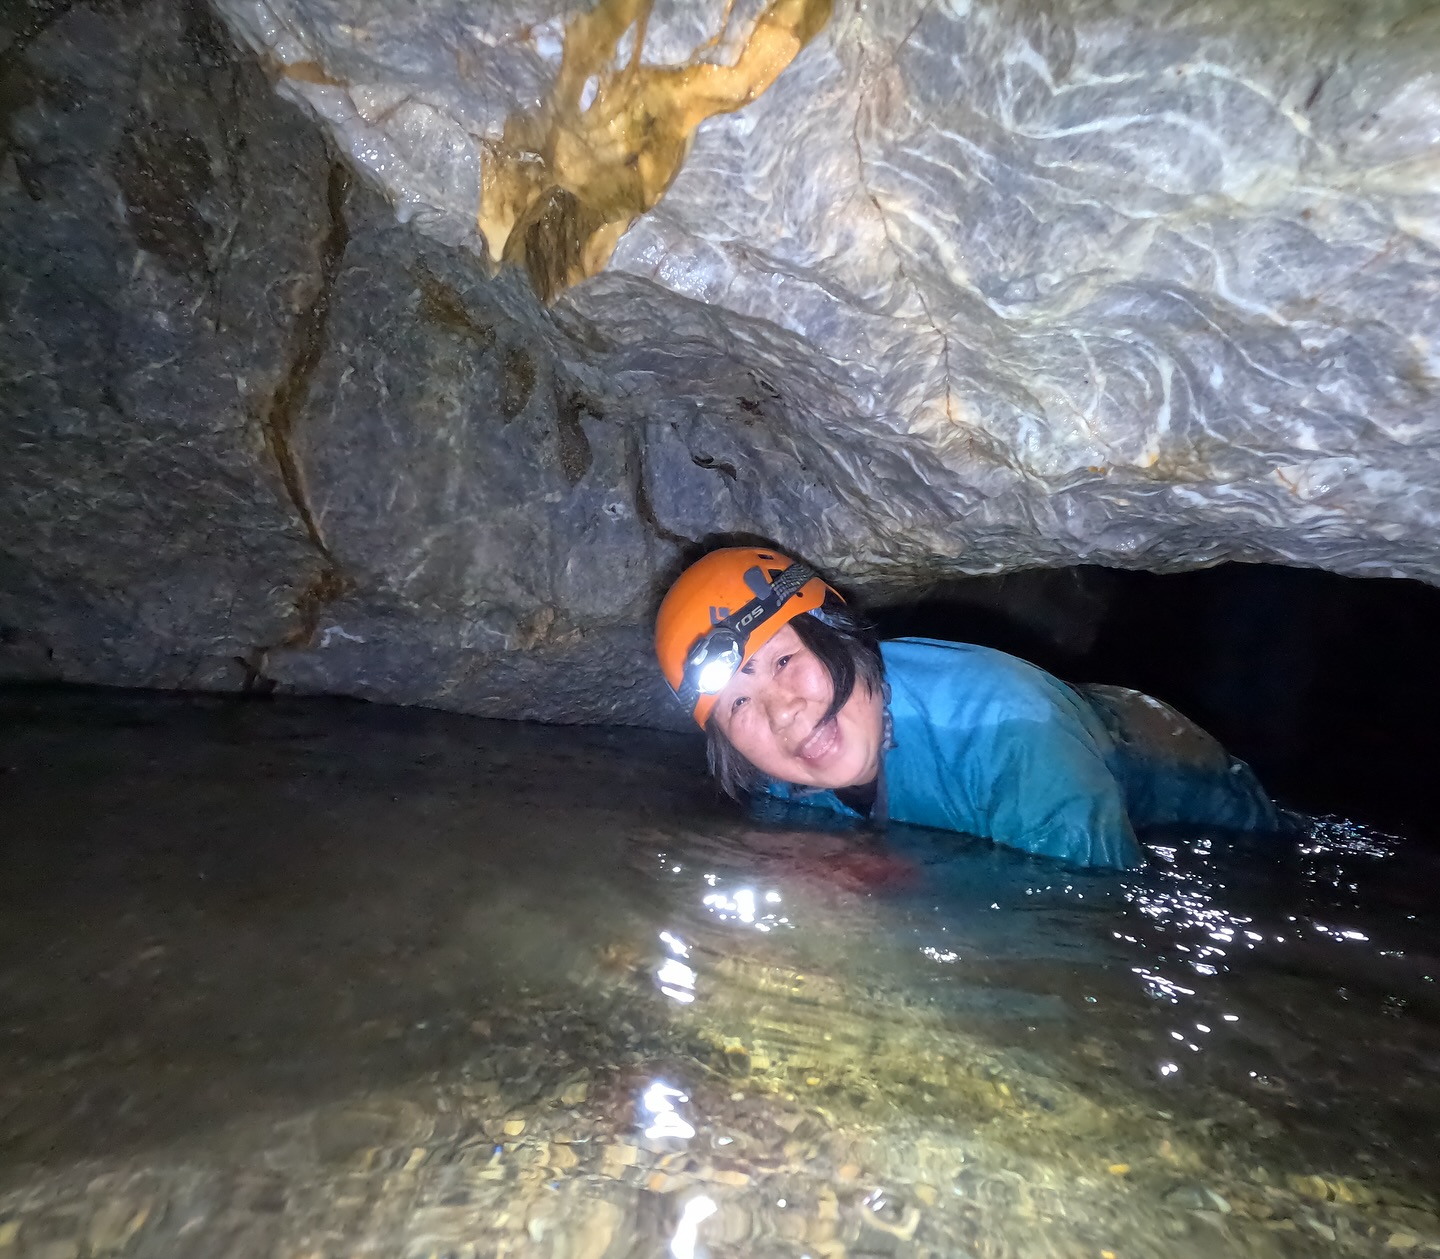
(721, 611)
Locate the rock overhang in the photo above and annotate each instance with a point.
(1038, 283)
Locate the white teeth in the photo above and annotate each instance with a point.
(817, 740)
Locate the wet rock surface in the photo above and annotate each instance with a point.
(326, 979)
(257, 434)
(1140, 289)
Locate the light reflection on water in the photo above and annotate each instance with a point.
(1188, 930)
(660, 1107)
(687, 1229)
(1011, 953)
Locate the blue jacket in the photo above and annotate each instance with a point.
(984, 743)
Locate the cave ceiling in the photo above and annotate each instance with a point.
(403, 351)
(1044, 281)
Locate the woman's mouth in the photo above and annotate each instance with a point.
(820, 742)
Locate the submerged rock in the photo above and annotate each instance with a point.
(1197, 1198)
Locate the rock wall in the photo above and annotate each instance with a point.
(258, 434)
(968, 287)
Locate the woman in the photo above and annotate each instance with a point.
(798, 701)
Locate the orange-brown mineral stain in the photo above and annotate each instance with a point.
(562, 184)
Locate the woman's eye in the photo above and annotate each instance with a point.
(735, 707)
(783, 661)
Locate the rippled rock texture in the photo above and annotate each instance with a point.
(1035, 282)
(916, 289)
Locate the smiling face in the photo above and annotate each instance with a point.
(771, 712)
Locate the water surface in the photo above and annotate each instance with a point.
(303, 978)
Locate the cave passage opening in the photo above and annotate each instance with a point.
(1325, 684)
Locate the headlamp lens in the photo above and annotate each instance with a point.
(714, 674)
(713, 662)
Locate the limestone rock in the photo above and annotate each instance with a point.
(1019, 281)
(258, 434)
(930, 289)
(160, 223)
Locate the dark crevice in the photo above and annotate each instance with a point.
(575, 452)
(645, 510)
(550, 241)
(323, 589)
(1326, 685)
(253, 666)
(288, 401)
(765, 386)
(306, 345)
(711, 464)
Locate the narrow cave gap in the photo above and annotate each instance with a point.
(1325, 684)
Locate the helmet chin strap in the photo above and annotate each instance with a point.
(718, 654)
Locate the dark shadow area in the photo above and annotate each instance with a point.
(218, 913)
(1326, 684)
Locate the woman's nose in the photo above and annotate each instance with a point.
(782, 704)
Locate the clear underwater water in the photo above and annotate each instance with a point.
(303, 978)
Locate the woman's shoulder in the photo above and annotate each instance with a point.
(938, 653)
(940, 673)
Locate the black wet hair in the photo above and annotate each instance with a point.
(848, 650)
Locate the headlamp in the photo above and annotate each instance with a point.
(714, 660)
(718, 654)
